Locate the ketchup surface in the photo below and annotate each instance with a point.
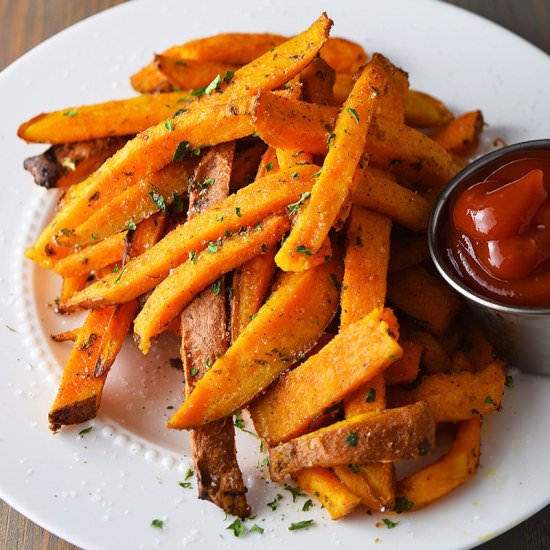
(497, 239)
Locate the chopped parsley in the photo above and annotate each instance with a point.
(424, 447)
(389, 523)
(212, 247)
(91, 339)
(354, 468)
(269, 167)
(69, 164)
(403, 504)
(257, 529)
(194, 371)
(371, 396)
(117, 280)
(184, 150)
(216, 287)
(204, 184)
(131, 226)
(509, 383)
(169, 126)
(157, 199)
(294, 491)
(275, 502)
(489, 400)
(301, 249)
(237, 527)
(85, 431)
(330, 139)
(238, 211)
(192, 256)
(10, 328)
(351, 439)
(228, 76)
(188, 474)
(308, 504)
(306, 524)
(295, 206)
(71, 113)
(185, 484)
(157, 524)
(354, 114)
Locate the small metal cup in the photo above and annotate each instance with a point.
(521, 335)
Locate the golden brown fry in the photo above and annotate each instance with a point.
(321, 483)
(461, 135)
(366, 264)
(424, 111)
(378, 190)
(251, 283)
(123, 117)
(407, 290)
(94, 257)
(285, 328)
(394, 434)
(406, 369)
(346, 148)
(456, 397)
(453, 469)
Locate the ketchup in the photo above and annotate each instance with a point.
(497, 238)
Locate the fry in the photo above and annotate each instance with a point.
(456, 397)
(424, 111)
(378, 190)
(204, 338)
(318, 82)
(394, 434)
(407, 290)
(343, 55)
(285, 328)
(366, 264)
(123, 117)
(405, 370)
(373, 483)
(188, 279)
(350, 134)
(338, 500)
(453, 469)
(461, 135)
(250, 286)
(94, 257)
(266, 195)
(294, 401)
(230, 48)
(408, 251)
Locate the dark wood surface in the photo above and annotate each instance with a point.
(25, 23)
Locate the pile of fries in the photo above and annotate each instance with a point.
(263, 199)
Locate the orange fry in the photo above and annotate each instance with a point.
(346, 148)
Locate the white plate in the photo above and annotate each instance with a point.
(103, 490)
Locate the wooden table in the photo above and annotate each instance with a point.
(25, 23)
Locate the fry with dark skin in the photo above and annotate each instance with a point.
(394, 434)
(203, 339)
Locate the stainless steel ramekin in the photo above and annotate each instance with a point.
(521, 335)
